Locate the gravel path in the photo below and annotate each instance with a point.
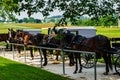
(87, 74)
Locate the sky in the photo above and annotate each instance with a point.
(38, 15)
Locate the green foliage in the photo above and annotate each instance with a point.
(71, 8)
(103, 21)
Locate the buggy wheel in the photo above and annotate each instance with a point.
(117, 65)
(87, 61)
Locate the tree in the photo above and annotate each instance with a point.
(71, 8)
(25, 20)
(31, 20)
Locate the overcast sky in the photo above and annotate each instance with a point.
(38, 15)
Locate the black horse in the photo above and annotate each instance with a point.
(99, 44)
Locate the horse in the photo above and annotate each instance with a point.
(99, 44)
(52, 40)
(19, 39)
(11, 36)
(42, 40)
(4, 38)
(34, 40)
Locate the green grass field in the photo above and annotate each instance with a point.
(109, 32)
(11, 70)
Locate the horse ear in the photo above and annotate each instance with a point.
(8, 29)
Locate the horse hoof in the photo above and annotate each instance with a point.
(80, 71)
(44, 64)
(71, 64)
(74, 72)
(105, 73)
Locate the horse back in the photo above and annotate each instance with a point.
(4, 37)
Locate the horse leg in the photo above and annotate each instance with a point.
(10, 47)
(19, 51)
(71, 59)
(31, 53)
(79, 58)
(45, 57)
(57, 54)
(106, 63)
(76, 62)
(51, 54)
(6, 46)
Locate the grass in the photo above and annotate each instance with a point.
(11, 70)
(109, 32)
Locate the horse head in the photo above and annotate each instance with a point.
(67, 38)
(11, 34)
(20, 36)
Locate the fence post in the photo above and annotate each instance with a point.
(63, 61)
(13, 51)
(25, 52)
(95, 73)
(40, 52)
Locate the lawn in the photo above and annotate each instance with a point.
(109, 32)
(11, 70)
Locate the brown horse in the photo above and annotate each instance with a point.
(4, 38)
(99, 44)
(45, 41)
(34, 40)
(20, 37)
(8, 37)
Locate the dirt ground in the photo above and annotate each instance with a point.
(87, 74)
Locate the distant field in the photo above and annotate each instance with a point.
(109, 32)
(4, 26)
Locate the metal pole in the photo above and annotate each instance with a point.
(13, 51)
(40, 52)
(4, 51)
(25, 53)
(63, 61)
(95, 71)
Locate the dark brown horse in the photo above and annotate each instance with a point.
(44, 41)
(11, 36)
(4, 38)
(20, 37)
(52, 41)
(34, 40)
(99, 44)
(8, 37)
